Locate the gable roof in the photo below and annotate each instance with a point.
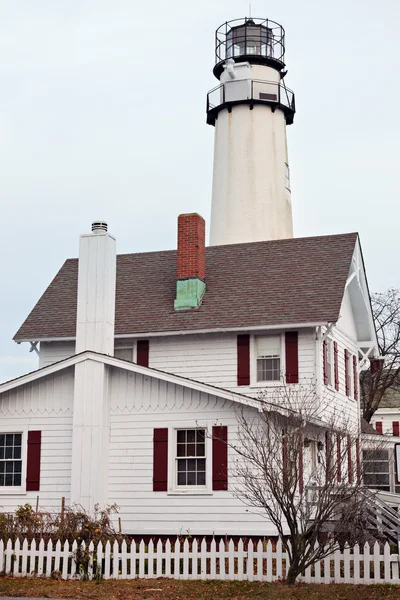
(259, 284)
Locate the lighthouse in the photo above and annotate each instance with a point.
(250, 109)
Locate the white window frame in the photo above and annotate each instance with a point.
(17, 490)
(188, 490)
(253, 361)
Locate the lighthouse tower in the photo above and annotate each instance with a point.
(250, 109)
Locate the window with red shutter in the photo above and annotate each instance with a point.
(160, 460)
(243, 360)
(292, 356)
(142, 353)
(379, 427)
(33, 461)
(10, 460)
(220, 458)
(336, 365)
(395, 426)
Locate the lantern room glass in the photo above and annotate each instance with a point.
(250, 39)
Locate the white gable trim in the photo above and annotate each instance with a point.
(357, 287)
(132, 367)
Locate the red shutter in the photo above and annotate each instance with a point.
(349, 461)
(160, 460)
(328, 456)
(355, 377)
(395, 426)
(325, 360)
(243, 360)
(346, 371)
(336, 367)
(285, 460)
(339, 458)
(378, 427)
(33, 461)
(142, 353)
(358, 458)
(220, 458)
(301, 466)
(292, 356)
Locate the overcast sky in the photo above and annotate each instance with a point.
(102, 115)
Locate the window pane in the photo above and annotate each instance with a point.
(17, 479)
(1, 452)
(182, 478)
(9, 452)
(17, 439)
(181, 450)
(200, 435)
(191, 450)
(9, 467)
(2, 439)
(2, 480)
(2, 467)
(201, 464)
(268, 346)
(201, 450)
(268, 369)
(191, 464)
(9, 439)
(182, 465)
(181, 436)
(191, 435)
(201, 478)
(18, 466)
(9, 480)
(191, 478)
(17, 452)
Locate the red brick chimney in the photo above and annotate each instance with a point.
(191, 261)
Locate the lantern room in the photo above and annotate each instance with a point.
(257, 41)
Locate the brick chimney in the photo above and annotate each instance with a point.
(191, 263)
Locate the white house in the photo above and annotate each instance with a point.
(123, 418)
(141, 354)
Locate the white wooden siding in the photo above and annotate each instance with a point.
(44, 405)
(51, 352)
(138, 405)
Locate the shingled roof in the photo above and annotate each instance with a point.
(293, 281)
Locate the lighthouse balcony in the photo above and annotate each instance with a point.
(251, 92)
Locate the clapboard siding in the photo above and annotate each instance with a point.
(45, 405)
(52, 352)
(141, 407)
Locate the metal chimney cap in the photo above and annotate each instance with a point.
(98, 226)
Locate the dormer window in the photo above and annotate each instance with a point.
(268, 358)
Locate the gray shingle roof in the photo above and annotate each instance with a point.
(278, 282)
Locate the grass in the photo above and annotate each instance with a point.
(168, 589)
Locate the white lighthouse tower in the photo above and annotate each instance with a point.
(250, 109)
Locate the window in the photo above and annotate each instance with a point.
(329, 360)
(191, 457)
(124, 353)
(268, 358)
(10, 459)
(376, 469)
(287, 176)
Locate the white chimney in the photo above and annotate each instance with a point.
(94, 331)
(96, 291)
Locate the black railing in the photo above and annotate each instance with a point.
(259, 40)
(250, 91)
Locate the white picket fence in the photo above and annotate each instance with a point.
(194, 560)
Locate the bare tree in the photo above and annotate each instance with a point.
(382, 378)
(300, 472)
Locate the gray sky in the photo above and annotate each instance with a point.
(102, 115)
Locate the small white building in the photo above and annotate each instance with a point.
(118, 409)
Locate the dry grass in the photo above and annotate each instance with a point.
(167, 589)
